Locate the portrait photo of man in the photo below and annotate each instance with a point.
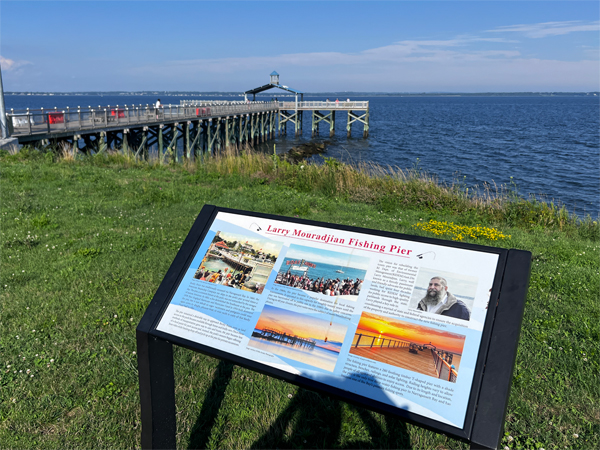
(438, 300)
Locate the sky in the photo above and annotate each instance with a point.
(394, 328)
(266, 245)
(321, 256)
(368, 46)
(301, 325)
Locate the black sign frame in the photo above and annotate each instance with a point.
(484, 419)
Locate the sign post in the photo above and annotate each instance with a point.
(420, 328)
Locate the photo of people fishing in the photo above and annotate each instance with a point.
(240, 262)
(323, 271)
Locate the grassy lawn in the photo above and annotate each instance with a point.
(85, 245)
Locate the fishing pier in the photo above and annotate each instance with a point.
(187, 130)
(284, 338)
(421, 358)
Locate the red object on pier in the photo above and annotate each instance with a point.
(56, 117)
(118, 112)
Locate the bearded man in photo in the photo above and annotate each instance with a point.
(439, 301)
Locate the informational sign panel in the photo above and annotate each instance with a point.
(400, 323)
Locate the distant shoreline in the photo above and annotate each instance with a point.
(315, 94)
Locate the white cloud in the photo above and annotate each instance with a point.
(396, 53)
(459, 64)
(11, 64)
(540, 30)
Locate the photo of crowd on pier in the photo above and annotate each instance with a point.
(323, 272)
(238, 261)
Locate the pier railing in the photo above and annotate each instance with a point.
(443, 369)
(42, 121)
(326, 105)
(366, 340)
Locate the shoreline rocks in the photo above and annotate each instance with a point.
(306, 150)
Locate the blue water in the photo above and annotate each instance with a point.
(328, 271)
(317, 356)
(545, 146)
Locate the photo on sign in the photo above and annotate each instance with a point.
(413, 347)
(444, 293)
(238, 261)
(312, 339)
(323, 271)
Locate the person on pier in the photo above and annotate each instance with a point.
(439, 301)
(157, 107)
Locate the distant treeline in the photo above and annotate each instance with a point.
(324, 94)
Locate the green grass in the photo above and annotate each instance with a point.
(86, 243)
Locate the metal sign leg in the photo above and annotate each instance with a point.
(157, 392)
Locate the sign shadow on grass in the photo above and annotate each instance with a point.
(316, 421)
(202, 429)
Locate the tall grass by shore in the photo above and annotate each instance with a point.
(87, 240)
(388, 188)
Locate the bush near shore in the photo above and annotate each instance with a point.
(86, 242)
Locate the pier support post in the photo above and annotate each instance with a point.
(273, 124)
(102, 142)
(173, 144)
(139, 139)
(186, 138)
(160, 143)
(203, 139)
(298, 129)
(124, 143)
(194, 144)
(76, 144)
(349, 125)
(332, 124)
(280, 124)
(268, 125)
(366, 125)
(262, 127)
(144, 143)
(315, 125)
(209, 137)
(227, 143)
(245, 129)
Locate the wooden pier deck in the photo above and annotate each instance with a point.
(399, 357)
